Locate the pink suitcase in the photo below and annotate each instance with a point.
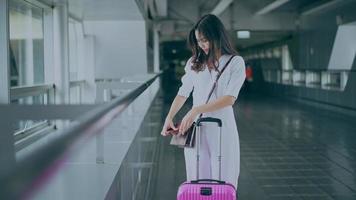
(206, 189)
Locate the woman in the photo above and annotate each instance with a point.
(211, 50)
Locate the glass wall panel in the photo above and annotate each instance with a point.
(26, 43)
(26, 52)
(76, 37)
(73, 50)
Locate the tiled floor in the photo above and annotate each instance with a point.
(288, 151)
(292, 151)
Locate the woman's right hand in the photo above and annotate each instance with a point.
(168, 124)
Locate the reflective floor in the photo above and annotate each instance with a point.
(288, 151)
(291, 151)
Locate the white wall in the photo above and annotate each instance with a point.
(344, 49)
(120, 47)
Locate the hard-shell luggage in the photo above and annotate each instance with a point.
(207, 189)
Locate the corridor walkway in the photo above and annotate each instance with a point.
(288, 151)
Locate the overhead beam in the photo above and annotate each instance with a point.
(161, 6)
(158, 8)
(221, 7)
(271, 6)
(320, 7)
(40, 4)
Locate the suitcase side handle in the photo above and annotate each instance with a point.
(207, 180)
(209, 119)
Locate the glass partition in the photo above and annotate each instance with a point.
(313, 79)
(27, 74)
(298, 78)
(26, 43)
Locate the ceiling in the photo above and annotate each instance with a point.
(101, 9)
(275, 25)
(261, 37)
(180, 15)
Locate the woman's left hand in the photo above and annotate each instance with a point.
(188, 120)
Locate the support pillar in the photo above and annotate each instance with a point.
(156, 48)
(61, 51)
(7, 150)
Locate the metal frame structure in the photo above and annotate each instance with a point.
(7, 151)
(79, 86)
(39, 4)
(4, 53)
(35, 90)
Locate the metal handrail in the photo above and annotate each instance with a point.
(33, 90)
(30, 172)
(312, 70)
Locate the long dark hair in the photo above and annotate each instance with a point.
(214, 31)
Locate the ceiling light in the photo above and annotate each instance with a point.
(243, 34)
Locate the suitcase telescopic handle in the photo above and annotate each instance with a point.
(207, 180)
(209, 119)
(199, 121)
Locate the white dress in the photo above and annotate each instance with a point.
(229, 84)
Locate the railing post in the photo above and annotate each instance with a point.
(100, 148)
(104, 93)
(80, 93)
(156, 28)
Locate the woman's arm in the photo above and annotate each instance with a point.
(177, 104)
(209, 107)
(215, 105)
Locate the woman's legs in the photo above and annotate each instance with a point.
(230, 154)
(209, 149)
(213, 142)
